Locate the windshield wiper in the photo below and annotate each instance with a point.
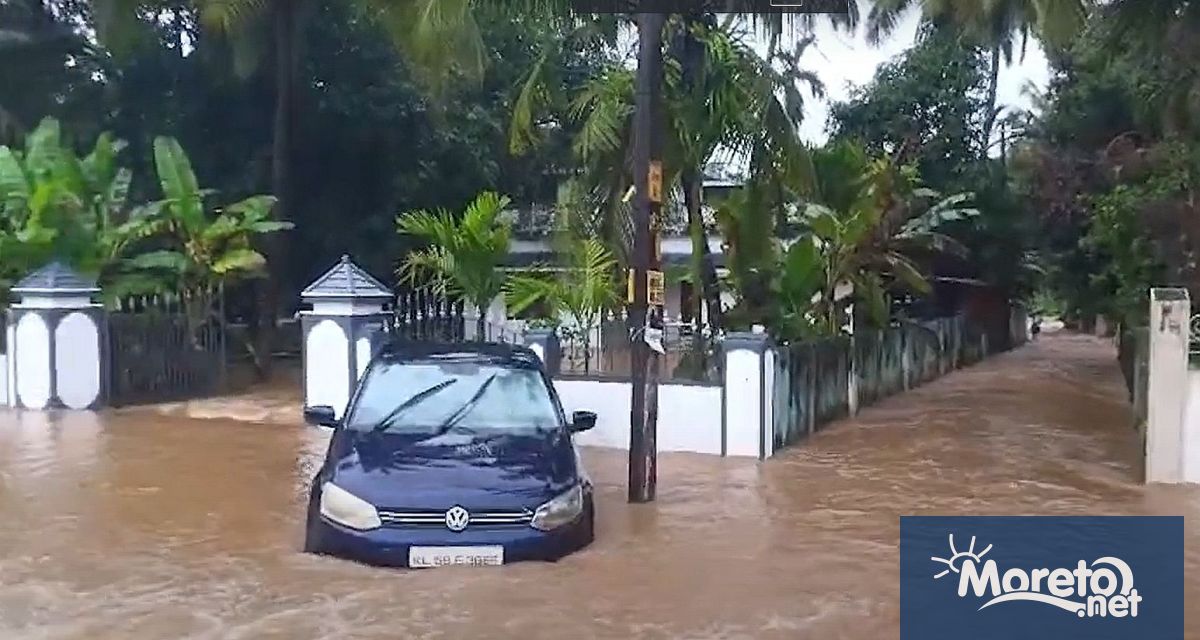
(466, 408)
(386, 421)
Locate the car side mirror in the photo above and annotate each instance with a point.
(582, 421)
(320, 416)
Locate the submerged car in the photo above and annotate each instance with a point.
(447, 455)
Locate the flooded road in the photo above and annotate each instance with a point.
(131, 525)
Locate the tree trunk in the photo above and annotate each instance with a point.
(481, 323)
(703, 267)
(993, 85)
(693, 57)
(285, 33)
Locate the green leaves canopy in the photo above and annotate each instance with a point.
(464, 255)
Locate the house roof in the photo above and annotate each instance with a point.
(56, 278)
(346, 280)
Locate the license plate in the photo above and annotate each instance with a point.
(426, 557)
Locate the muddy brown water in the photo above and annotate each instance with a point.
(131, 525)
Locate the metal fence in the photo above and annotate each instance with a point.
(159, 352)
(419, 314)
(812, 379)
(609, 353)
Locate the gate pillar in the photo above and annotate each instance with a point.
(1166, 438)
(345, 325)
(57, 356)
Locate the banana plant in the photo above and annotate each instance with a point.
(55, 205)
(585, 290)
(855, 247)
(202, 248)
(463, 255)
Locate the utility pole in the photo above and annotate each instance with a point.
(645, 303)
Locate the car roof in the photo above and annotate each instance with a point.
(489, 352)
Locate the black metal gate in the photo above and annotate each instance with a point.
(420, 314)
(159, 354)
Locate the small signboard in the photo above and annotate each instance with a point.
(656, 288)
(655, 184)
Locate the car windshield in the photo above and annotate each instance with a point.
(427, 397)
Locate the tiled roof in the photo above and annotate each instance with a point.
(56, 277)
(346, 280)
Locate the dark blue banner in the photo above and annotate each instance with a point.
(1035, 577)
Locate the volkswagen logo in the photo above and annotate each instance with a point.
(457, 518)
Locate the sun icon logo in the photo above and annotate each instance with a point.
(958, 557)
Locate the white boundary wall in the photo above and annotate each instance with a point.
(689, 415)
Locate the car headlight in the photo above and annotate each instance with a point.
(347, 509)
(560, 510)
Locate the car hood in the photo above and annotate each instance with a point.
(498, 471)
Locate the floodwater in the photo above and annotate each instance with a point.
(132, 525)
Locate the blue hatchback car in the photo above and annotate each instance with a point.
(451, 454)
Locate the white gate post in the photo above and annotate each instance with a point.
(57, 347)
(340, 333)
(748, 425)
(1165, 450)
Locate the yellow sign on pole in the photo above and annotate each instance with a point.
(656, 288)
(655, 183)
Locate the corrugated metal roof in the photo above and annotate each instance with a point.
(56, 277)
(346, 280)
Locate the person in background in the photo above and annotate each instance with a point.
(1035, 325)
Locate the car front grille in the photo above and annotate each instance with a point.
(438, 518)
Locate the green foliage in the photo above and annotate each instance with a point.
(586, 289)
(35, 39)
(56, 205)
(1119, 230)
(869, 241)
(930, 109)
(1111, 163)
(929, 106)
(752, 249)
(196, 250)
(464, 255)
(735, 100)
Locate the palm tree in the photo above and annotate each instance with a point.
(720, 94)
(586, 289)
(1001, 26)
(731, 98)
(465, 253)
